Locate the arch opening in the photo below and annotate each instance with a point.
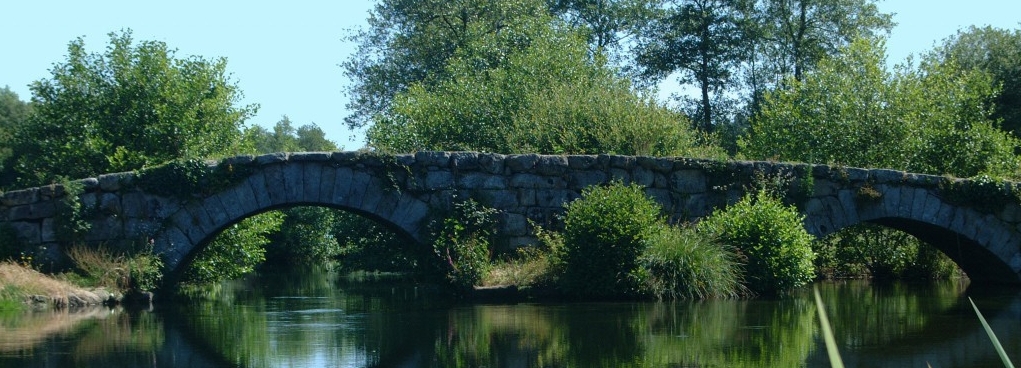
(298, 235)
(907, 248)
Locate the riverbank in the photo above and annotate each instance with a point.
(23, 288)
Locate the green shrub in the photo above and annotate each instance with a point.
(461, 241)
(683, 264)
(604, 234)
(771, 236)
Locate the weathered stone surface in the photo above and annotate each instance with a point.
(514, 225)
(312, 177)
(688, 181)
(33, 211)
(479, 180)
(551, 165)
(578, 162)
(294, 175)
(439, 180)
(434, 159)
(536, 181)
(492, 163)
(582, 179)
(465, 160)
(884, 176)
(521, 163)
(271, 158)
(20, 197)
(310, 156)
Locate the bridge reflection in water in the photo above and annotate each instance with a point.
(325, 320)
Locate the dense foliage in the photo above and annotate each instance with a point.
(135, 105)
(605, 232)
(776, 248)
(461, 241)
(853, 111)
(531, 89)
(234, 252)
(998, 53)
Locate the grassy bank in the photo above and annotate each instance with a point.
(22, 288)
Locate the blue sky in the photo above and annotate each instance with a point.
(285, 55)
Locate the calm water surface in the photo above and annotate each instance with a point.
(321, 319)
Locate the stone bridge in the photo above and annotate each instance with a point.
(178, 208)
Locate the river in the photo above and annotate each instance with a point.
(324, 319)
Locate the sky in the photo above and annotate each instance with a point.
(285, 56)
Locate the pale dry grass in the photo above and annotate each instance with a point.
(30, 282)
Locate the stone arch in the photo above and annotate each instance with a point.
(985, 247)
(282, 185)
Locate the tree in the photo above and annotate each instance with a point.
(410, 41)
(609, 24)
(545, 95)
(797, 34)
(997, 52)
(851, 110)
(134, 105)
(704, 40)
(13, 114)
(285, 138)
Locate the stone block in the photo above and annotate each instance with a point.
(907, 198)
(273, 176)
(554, 197)
(312, 178)
(197, 217)
(521, 163)
(536, 181)
(20, 197)
(551, 165)
(492, 163)
(110, 203)
(433, 159)
(620, 175)
(514, 225)
(642, 176)
(439, 180)
(106, 229)
(327, 183)
(477, 180)
(688, 181)
(622, 162)
(918, 203)
(110, 182)
(849, 204)
(931, 208)
(886, 176)
(28, 231)
(48, 231)
(581, 179)
(580, 162)
(294, 183)
(342, 185)
(526, 197)
(346, 158)
(217, 213)
(359, 183)
(32, 211)
(465, 160)
(240, 160)
(656, 164)
(372, 196)
(271, 158)
(134, 205)
(309, 156)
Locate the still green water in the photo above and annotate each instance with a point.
(321, 319)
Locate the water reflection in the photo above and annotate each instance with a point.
(327, 320)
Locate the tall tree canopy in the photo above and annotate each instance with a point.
(702, 39)
(13, 114)
(410, 41)
(997, 52)
(851, 110)
(532, 87)
(134, 105)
